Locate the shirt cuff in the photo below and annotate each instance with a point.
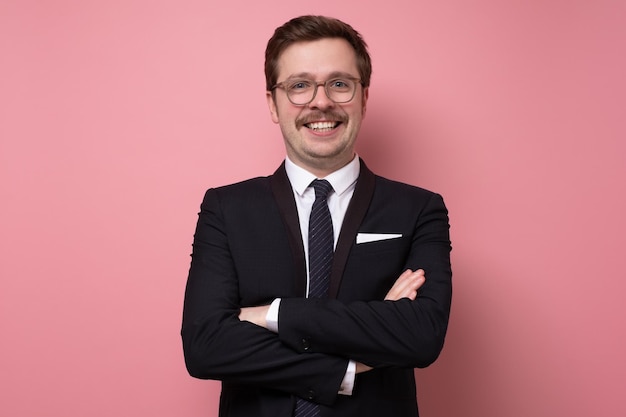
(271, 317)
(347, 385)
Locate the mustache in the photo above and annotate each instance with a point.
(319, 115)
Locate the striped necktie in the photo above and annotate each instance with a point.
(321, 242)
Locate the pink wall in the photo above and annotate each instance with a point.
(115, 116)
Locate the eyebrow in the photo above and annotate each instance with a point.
(309, 76)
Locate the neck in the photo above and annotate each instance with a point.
(321, 169)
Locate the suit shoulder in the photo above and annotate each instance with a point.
(406, 198)
(398, 189)
(244, 193)
(250, 185)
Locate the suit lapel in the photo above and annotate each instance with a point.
(283, 194)
(357, 209)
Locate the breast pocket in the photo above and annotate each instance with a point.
(398, 245)
(373, 267)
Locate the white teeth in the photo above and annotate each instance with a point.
(321, 125)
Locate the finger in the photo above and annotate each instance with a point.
(406, 285)
(401, 283)
(411, 285)
(399, 286)
(405, 275)
(417, 283)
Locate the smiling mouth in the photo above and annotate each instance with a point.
(322, 126)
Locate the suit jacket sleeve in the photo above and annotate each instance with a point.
(401, 333)
(217, 345)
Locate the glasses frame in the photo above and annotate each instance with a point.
(317, 86)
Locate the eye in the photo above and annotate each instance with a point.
(299, 85)
(339, 84)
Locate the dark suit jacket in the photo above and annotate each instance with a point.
(248, 250)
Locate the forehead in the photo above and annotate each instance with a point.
(318, 59)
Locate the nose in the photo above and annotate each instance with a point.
(321, 100)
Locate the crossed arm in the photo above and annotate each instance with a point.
(406, 286)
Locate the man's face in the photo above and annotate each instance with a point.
(319, 136)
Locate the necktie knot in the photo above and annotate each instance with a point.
(322, 188)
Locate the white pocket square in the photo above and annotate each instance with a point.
(374, 237)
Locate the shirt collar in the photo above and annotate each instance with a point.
(341, 180)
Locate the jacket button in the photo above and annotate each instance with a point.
(310, 395)
(306, 344)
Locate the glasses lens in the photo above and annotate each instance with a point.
(340, 90)
(300, 91)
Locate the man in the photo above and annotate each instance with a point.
(289, 325)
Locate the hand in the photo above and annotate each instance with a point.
(406, 285)
(255, 315)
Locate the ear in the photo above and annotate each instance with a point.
(272, 106)
(366, 94)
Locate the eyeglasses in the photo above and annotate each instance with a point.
(302, 91)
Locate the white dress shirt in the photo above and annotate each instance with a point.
(343, 182)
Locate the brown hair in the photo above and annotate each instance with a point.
(311, 28)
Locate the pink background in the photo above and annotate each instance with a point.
(115, 116)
